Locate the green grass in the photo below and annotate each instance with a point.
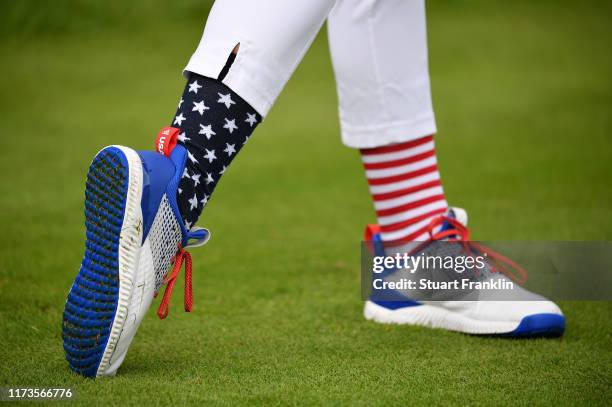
(523, 96)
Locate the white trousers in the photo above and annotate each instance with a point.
(378, 49)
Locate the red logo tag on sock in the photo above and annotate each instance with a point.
(166, 140)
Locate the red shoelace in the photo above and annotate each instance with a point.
(457, 232)
(181, 257)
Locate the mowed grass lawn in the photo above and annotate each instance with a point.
(523, 95)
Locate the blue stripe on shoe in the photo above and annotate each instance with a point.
(397, 304)
(158, 171)
(92, 302)
(390, 299)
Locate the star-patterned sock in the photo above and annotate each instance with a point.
(214, 124)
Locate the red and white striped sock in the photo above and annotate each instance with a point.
(405, 185)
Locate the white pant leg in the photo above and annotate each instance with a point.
(273, 35)
(379, 53)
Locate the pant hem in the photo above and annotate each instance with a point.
(388, 133)
(237, 83)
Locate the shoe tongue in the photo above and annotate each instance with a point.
(459, 214)
(197, 236)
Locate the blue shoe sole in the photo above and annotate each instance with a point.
(539, 325)
(91, 304)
